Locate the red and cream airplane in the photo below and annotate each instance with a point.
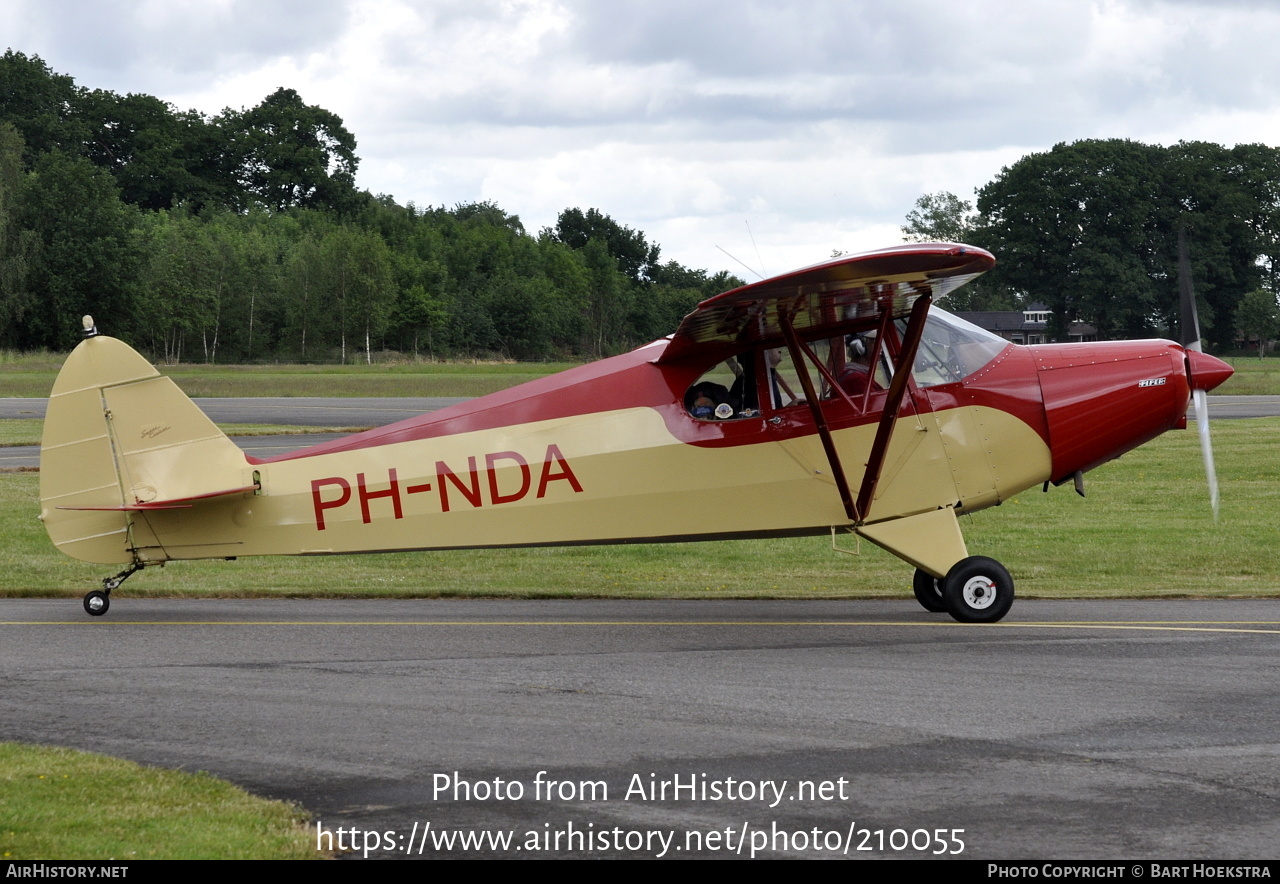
(830, 399)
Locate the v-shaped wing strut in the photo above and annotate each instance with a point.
(893, 403)
(857, 510)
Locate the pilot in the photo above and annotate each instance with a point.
(704, 407)
(708, 400)
(855, 377)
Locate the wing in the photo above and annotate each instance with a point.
(844, 294)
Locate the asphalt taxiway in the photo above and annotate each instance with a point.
(1074, 729)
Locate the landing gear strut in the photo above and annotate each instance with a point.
(98, 602)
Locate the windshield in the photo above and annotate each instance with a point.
(951, 349)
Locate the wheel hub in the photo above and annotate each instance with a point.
(979, 592)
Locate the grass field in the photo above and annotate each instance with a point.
(1144, 530)
(31, 375)
(1253, 377)
(61, 804)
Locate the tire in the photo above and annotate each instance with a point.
(978, 590)
(929, 592)
(96, 603)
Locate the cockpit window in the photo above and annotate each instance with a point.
(952, 349)
(726, 392)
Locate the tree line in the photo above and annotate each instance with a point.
(242, 237)
(1090, 229)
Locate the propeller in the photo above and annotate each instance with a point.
(1203, 371)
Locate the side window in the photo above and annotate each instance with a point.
(726, 392)
(847, 359)
(785, 388)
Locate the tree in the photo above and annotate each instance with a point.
(175, 306)
(940, 217)
(1073, 227)
(285, 153)
(1206, 189)
(38, 103)
(354, 276)
(305, 323)
(16, 244)
(944, 217)
(634, 255)
(417, 313)
(1259, 316)
(85, 254)
(1091, 228)
(158, 157)
(609, 297)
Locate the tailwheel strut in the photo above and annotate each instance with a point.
(97, 602)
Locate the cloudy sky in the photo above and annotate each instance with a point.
(810, 125)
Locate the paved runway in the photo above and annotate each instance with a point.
(1079, 730)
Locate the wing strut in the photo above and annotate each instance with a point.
(815, 407)
(856, 511)
(893, 402)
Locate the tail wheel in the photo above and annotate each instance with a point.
(929, 592)
(96, 603)
(978, 590)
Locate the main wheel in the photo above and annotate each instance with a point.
(96, 603)
(928, 592)
(978, 590)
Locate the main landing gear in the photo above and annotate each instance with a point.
(976, 590)
(98, 602)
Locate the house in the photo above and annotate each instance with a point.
(1028, 326)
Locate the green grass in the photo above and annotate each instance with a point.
(60, 804)
(24, 377)
(1145, 530)
(1253, 377)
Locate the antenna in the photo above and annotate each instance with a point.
(753, 244)
(752, 269)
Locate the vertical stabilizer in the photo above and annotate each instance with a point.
(118, 439)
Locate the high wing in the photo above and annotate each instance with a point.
(845, 294)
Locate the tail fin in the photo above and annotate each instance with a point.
(119, 440)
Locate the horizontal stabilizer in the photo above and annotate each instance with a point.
(175, 504)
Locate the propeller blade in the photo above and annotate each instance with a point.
(1203, 371)
(1187, 299)
(1201, 399)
